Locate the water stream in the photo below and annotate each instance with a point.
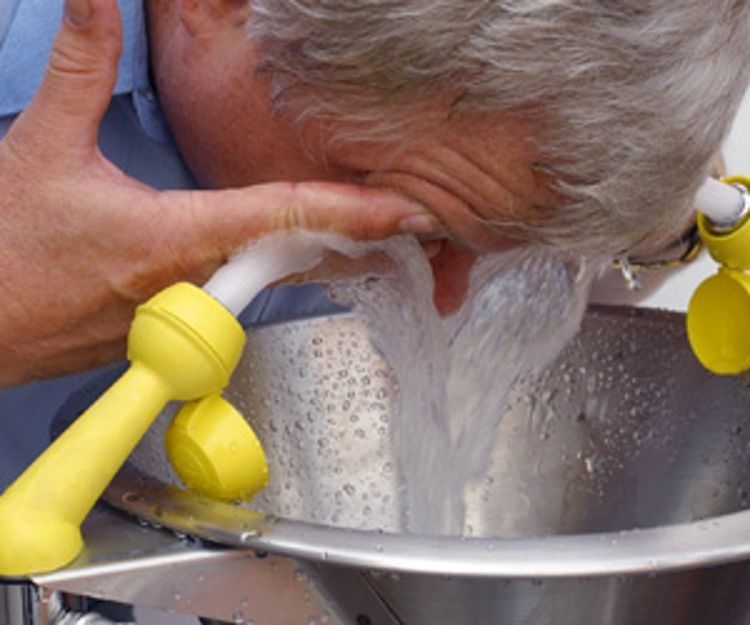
(454, 373)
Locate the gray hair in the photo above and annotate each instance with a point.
(631, 99)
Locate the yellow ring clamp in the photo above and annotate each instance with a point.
(718, 314)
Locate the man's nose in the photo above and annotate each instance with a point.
(450, 269)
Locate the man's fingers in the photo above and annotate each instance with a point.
(224, 220)
(81, 73)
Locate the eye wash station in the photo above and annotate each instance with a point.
(617, 490)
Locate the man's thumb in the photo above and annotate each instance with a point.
(81, 74)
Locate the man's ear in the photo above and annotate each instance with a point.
(203, 16)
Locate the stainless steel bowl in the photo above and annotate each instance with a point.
(617, 491)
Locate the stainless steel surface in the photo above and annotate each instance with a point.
(676, 547)
(134, 563)
(59, 613)
(20, 604)
(616, 495)
(705, 597)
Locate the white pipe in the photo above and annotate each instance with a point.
(266, 261)
(722, 203)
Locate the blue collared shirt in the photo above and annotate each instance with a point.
(134, 135)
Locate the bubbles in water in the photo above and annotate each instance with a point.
(455, 373)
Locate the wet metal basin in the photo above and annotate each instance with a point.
(616, 494)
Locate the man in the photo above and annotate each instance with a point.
(54, 177)
(578, 123)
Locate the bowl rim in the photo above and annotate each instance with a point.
(709, 542)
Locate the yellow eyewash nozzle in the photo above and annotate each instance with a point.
(183, 344)
(215, 452)
(728, 247)
(718, 315)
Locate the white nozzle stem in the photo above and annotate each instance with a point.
(251, 270)
(723, 204)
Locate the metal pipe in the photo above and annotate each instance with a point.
(20, 605)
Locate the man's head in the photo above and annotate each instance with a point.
(585, 123)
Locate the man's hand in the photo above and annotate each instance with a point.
(81, 243)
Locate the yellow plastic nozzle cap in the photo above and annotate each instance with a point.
(732, 248)
(718, 319)
(215, 452)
